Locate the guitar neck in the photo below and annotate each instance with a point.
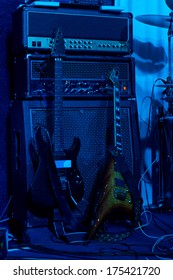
(117, 119)
(58, 110)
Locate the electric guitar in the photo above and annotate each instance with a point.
(116, 197)
(57, 183)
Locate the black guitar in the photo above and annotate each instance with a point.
(57, 183)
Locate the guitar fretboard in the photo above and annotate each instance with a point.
(117, 117)
(58, 110)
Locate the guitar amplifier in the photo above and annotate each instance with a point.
(87, 31)
(75, 2)
(91, 121)
(82, 78)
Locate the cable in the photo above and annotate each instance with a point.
(147, 235)
(164, 252)
(142, 177)
(146, 137)
(5, 220)
(148, 221)
(5, 209)
(159, 240)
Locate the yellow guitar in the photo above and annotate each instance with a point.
(115, 198)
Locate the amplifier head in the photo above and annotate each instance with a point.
(77, 2)
(34, 77)
(84, 30)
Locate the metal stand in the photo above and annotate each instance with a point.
(165, 124)
(165, 121)
(165, 195)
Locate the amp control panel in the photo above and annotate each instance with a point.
(79, 45)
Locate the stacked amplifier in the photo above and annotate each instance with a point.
(85, 31)
(95, 41)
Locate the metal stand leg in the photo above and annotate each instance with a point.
(165, 196)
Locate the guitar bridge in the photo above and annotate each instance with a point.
(119, 194)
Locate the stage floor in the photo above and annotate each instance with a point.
(153, 240)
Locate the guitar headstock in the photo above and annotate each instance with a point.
(57, 43)
(114, 76)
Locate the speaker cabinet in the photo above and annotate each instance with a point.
(90, 120)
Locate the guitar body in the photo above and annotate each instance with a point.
(41, 194)
(75, 187)
(115, 200)
(41, 200)
(116, 193)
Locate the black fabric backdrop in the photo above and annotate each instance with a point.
(7, 7)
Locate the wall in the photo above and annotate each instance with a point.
(6, 9)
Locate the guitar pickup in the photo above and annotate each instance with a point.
(63, 163)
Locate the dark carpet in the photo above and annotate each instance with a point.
(152, 240)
